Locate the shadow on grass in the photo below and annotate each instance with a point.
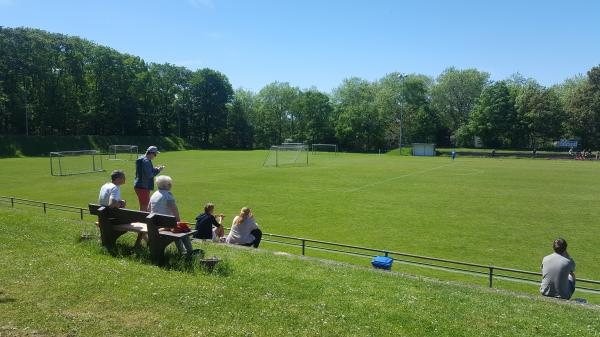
(173, 261)
(5, 299)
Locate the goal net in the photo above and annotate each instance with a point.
(324, 148)
(66, 163)
(287, 155)
(122, 152)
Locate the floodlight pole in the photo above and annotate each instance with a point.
(401, 121)
(401, 103)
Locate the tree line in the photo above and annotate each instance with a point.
(53, 84)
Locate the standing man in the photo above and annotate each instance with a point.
(110, 193)
(144, 176)
(558, 272)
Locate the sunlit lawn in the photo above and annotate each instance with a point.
(504, 212)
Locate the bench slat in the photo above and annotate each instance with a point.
(177, 235)
(137, 227)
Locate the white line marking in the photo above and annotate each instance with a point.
(398, 177)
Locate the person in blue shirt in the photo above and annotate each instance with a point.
(144, 176)
(207, 225)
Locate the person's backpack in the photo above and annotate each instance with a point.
(382, 262)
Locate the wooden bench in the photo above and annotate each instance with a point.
(114, 222)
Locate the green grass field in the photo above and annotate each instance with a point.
(503, 212)
(53, 285)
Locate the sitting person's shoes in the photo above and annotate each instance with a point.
(195, 252)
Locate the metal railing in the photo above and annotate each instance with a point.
(491, 272)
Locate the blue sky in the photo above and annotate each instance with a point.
(319, 43)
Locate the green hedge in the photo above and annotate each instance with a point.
(15, 146)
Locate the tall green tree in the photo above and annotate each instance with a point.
(167, 85)
(455, 94)
(584, 110)
(238, 132)
(358, 125)
(210, 92)
(494, 115)
(274, 119)
(314, 118)
(539, 114)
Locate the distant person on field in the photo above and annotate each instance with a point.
(163, 202)
(244, 230)
(558, 272)
(144, 176)
(208, 226)
(110, 193)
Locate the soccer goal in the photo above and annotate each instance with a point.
(287, 155)
(122, 152)
(66, 163)
(324, 148)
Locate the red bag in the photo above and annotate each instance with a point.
(181, 227)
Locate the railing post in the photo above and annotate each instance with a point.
(491, 268)
(386, 254)
(303, 246)
(12, 202)
(44, 208)
(81, 213)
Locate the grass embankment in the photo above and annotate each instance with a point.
(54, 285)
(15, 146)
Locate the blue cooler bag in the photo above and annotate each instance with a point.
(382, 262)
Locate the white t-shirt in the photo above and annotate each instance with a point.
(240, 233)
(109, 191)
(159, 200)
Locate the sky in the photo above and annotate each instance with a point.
(319, 43)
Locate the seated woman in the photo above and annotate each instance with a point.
(208, 227)
(163, 202)
(244, 230)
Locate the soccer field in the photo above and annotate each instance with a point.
(504, 212)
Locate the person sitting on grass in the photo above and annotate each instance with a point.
(110, 193)
(208, 227)
(244, 230)
(163, 202)
(558, 272)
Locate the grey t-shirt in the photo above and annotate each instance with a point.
(159, 202)
(555, 276)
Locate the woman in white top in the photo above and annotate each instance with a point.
(244, 230)
(163, 202)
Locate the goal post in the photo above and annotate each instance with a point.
(326, 148)
(122, 152)
(287, 155)
(66, 163)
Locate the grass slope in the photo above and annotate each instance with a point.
(503, 212)
(53, 285)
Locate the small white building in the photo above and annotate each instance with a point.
(423, 149)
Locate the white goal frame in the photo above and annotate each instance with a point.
(315, 148)
(57, 158)
(276, 154)
(131, 151)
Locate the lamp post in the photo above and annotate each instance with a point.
(401, 104)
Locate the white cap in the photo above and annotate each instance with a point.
(152, 149)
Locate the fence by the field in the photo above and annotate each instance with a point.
(491, 272)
